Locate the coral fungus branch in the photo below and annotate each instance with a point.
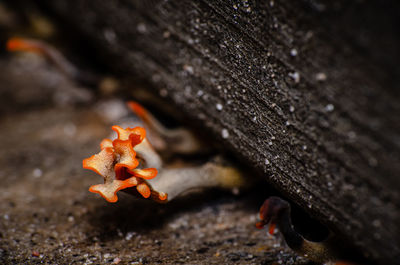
(177, 140)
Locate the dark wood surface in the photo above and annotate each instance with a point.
(305, 92)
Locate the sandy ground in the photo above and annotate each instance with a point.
(48, 125)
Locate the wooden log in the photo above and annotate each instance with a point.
(299, 90)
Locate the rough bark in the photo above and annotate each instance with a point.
(303, 91)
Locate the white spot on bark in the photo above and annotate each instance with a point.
(295, 76)
(320, 76)
(225, 133)
(329, 107)
(142, 28)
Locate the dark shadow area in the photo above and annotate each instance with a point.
(143, 216)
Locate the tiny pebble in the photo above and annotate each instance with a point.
(188, 68)
(166, 34)
(163, 92)
(129, 235)
(141, 28)
(116, 261)
(320, 76)
(37, 173)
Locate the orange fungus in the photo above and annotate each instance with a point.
(117, 163)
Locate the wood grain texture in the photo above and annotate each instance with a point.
(302, 91)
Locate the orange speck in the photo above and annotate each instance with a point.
(162, 196)
(20, 44)
(271, 228)
(260, 225)
(137, 109)
(35, 253)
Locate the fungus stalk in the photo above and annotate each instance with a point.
(54, 57)
(130, 163)
(177, 181)
(42, 48)
(276, 212)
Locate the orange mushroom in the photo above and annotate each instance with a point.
(131, 161)
(22, 44)
(139, 110)
(277, 213)
(178, 140)
(49, 52)
(117, 163)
